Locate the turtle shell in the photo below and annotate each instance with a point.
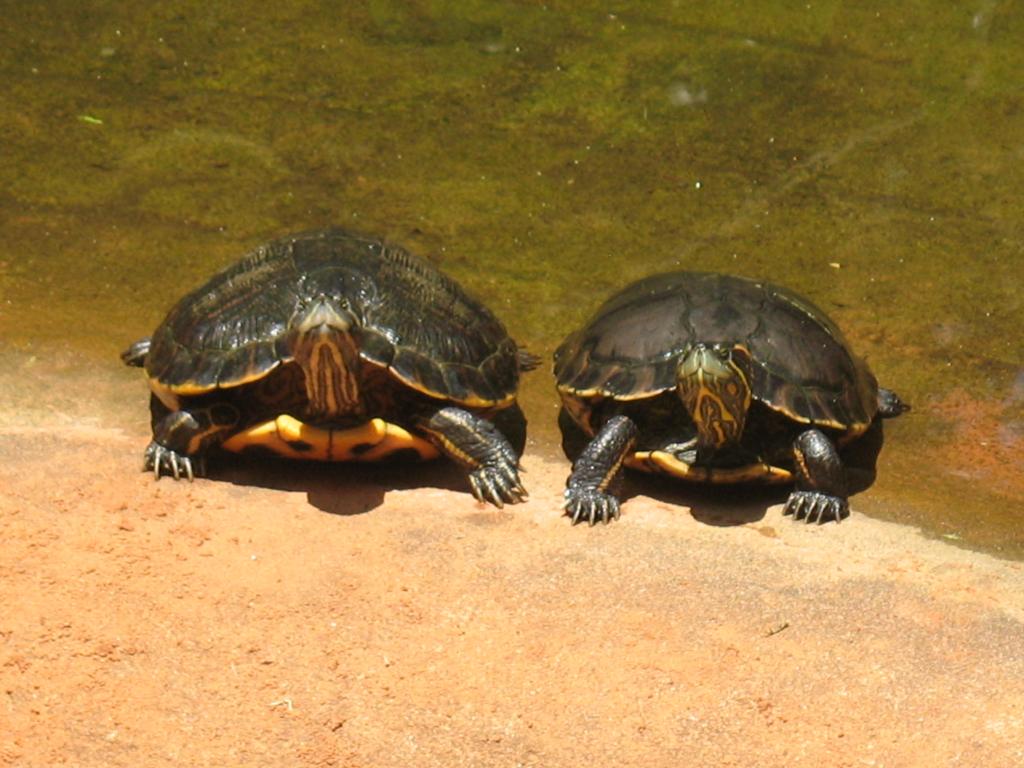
(803, 367)
(415, 321)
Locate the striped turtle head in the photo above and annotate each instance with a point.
(713, 382)
(325, 347)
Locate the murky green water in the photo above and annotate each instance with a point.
(868, 155)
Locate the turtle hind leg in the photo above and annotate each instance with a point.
(135, 355)
(477, 445)
(890, 404)
(821, 488)
(182, 438)
(597, 471)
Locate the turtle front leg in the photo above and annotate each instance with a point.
(597, 470)
(477, 445)
(821, 488)
(179, 437)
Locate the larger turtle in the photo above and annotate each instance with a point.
(331, 345)
(713, 378)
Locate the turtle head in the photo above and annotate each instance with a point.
(324, 346)
(713, 381)
(324, 315)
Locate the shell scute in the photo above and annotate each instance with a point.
(803, 366)
(416, 322)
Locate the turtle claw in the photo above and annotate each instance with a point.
(481, 448)
(497, 483)
(160, 459)
(591, 505)
(816, 507)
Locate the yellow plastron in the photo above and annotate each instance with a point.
(287, 436)
(666, 463)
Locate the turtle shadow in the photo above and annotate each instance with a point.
(720, 506)
(337, 488)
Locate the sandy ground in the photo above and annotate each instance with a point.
(316, 615)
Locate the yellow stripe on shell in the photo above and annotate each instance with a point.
(190, 388)
(472, 401)
(168, 393)
(571, 391)
(850, 431)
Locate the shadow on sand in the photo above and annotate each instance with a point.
(716, 505)
(337, 488)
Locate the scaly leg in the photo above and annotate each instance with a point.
(821, 488)
(181, 436)
(597, 470)
(474, 443)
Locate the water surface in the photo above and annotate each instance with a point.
(866, 155)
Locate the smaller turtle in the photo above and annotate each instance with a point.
(718, 379)
(331, 345)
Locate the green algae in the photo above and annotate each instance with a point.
(545, 154)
